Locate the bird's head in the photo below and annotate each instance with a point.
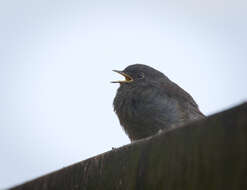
(138, 73)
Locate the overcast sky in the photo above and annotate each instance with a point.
(56, 59)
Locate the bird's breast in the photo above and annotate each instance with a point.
(124, 104)
(130, 104)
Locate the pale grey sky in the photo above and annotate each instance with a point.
(56, 59)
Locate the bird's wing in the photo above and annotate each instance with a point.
(184, 99)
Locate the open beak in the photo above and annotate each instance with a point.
(128, 78)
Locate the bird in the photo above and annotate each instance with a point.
(148, 102)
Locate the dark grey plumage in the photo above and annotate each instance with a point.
(148, 102)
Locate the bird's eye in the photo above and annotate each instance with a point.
(140, 75)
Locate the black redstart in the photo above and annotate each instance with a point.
(147, 102)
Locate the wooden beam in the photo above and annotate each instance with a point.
(209, 154)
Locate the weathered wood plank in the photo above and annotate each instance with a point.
(207, 154)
